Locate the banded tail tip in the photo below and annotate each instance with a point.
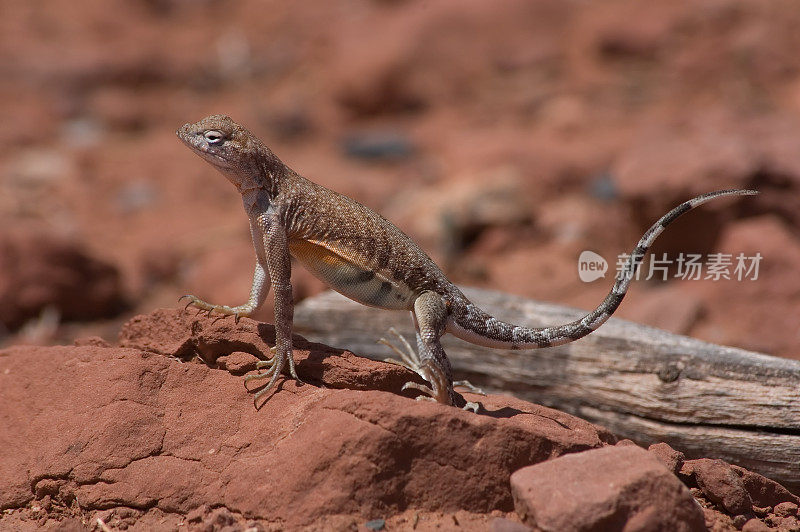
(732, 192)
(702, 198)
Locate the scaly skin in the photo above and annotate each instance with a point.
(362, 255)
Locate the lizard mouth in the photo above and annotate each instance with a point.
(216, 158)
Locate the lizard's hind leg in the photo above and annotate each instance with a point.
(409, 359)
(430, 360)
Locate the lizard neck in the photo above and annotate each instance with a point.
(261, 187)
(257, 169)
(271, 172)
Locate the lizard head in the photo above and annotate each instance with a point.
(233, 150)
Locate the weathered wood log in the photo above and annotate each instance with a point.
(640, 382)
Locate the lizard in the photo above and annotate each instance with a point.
(365, 257)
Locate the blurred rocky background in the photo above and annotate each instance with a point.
(506, 137)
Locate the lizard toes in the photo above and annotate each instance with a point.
(471, 406)
(192, 299)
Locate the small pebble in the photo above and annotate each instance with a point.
(375, 524)
(237, 362)
(755, 525)
(500, 524)
(785, 509)
(671, 458)
(196, 515)
(762, 512)
(789, 523)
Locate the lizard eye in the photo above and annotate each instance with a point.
(213, 136)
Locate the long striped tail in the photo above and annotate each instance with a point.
(476, 326)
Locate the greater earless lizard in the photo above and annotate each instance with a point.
(365, 257)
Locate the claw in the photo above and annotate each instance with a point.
(469, 387)
(264, 363)
(471, 406)
(293, 371)
(416, 386)
(425, 398)
(191, 299)
(408, 357)
(274, 366)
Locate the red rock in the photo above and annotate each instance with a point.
(717, 521)
(500, 524)
(196, 515)
(720, 483)
(138, 429)
(672, 459)
(237, 362)
(789, 522)
(604, 489)
(755, 525)
(785, 509)
(39, 270)
(189, 333)
(762, 511)
(91, 340)
(764, 491)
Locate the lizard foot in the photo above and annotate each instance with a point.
(236, 312)
(274, 368)
(471, 388)
(409, 359)
(438, 391)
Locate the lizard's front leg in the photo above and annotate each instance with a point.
(258, 293)
(280, 269)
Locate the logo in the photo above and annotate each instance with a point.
(591, 266)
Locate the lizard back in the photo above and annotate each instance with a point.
(353, 249)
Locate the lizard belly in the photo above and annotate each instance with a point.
(352, 280)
